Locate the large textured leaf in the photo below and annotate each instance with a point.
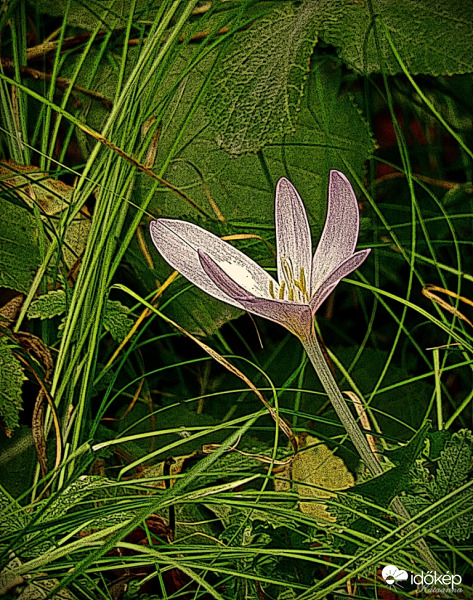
(48, 305)
(257, 89)
(89, 15)
(11, 380)
(19, 254)
(432, 38)
(317, 474)
(115, 318)
(453, 471)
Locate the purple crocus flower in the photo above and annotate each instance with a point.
(303, 281)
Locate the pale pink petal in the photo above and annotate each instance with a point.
(294, 245)
(292, 315)
(179, 243)
(221, 279)
(348, 266)
(340, 233)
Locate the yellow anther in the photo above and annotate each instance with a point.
(281, 290)
(302, 281)
(271, 288)
(286, 267)
(301, 285)
(301, 295)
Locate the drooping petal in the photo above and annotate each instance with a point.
(292, 315)
(222, 279)
(179, 243)
(294, 244)
(345, 268)
(340, 233)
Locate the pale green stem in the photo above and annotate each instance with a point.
(316, 356)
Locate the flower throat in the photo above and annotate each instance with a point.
(296, 289)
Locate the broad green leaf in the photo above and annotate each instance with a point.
(19, 253)
(11, 380)
(116, 320)
(257, 89)
(455, 463)
(317, 474)
(48, 305)
(89, 16)
(453, 470)
(330, 133)
(431, 38)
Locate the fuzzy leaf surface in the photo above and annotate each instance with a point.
(11, 380)
(19, 253)
(257, 90)
(432, 38)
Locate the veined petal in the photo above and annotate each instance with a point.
(294, 244)
(294, 316)
(348, 266)
(179, 243)
(222, 279)
(340, 233)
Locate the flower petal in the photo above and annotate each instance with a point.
(340, 233)
(348, 266)
(292, 315)
(179, 243)
(221, 279)
(294, 244)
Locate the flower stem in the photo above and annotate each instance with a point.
(316, 356)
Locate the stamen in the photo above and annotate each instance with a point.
(301, 285)
(286, 267)
(271, 289)
(281, 290)
(302, 280)
(296, 289)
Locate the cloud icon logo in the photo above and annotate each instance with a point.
(392, 574)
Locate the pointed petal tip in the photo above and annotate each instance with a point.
(283, 182)
(156, 224)
(334, 173)
(154, 230)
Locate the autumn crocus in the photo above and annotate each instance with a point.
(303, 281)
